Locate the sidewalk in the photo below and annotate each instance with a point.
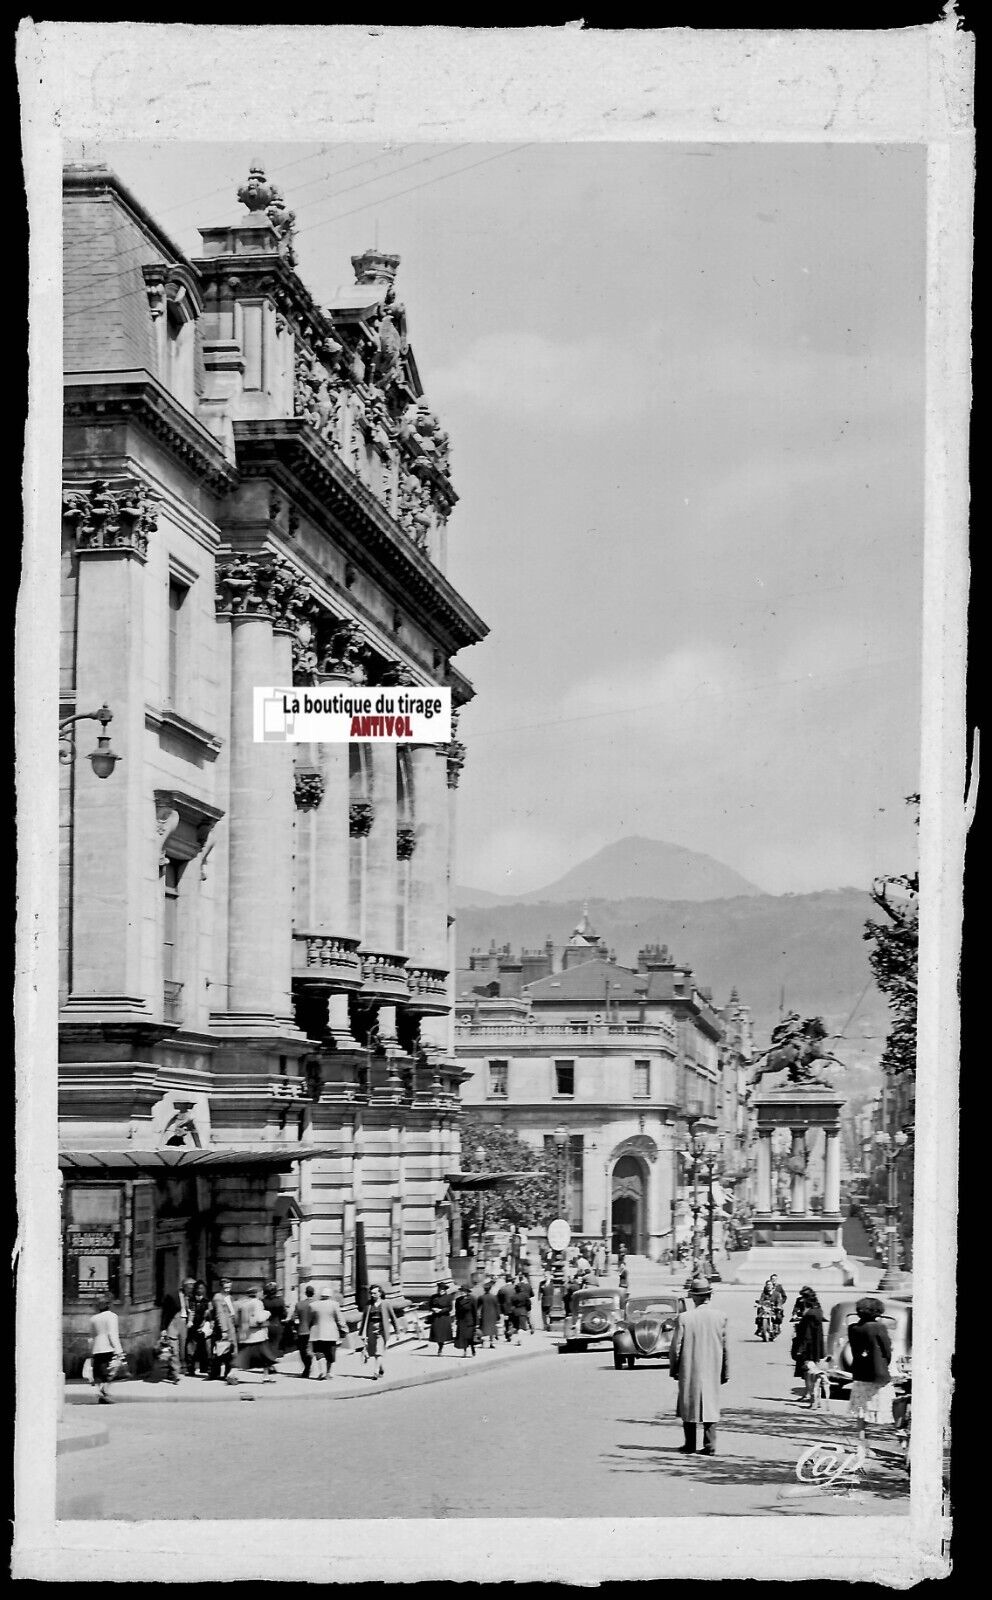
(408, 1366)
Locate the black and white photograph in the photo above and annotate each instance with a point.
(557, 1049)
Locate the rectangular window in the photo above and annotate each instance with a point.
(576, 1154)
(170, 928)
(499, 1072)
(177, 596)
(642, 1079)
(565, 1078)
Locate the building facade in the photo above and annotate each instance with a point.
(256, 946)
(619, 1062)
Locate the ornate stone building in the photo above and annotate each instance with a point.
(255, 1036)
(619, 1061)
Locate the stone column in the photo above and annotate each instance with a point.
(258, 593)
(113, 859)
(831, 1170)
(331, 833)
(382, 877)
(797, 1188)
(764, 1170)
(428, 941)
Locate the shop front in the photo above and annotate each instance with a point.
(136, 1223)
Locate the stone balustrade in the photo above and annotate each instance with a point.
(384, 976)
(329, 959)
(428, 989)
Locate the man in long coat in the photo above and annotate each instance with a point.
(699, 1359)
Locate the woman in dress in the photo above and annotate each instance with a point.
(275, 1305)
(872, 1389)
(489, 1314)
(254, 1349)
(465, 1323)
(439, 1307)
(105, 1345)
(377, 1324)
(807, 1337)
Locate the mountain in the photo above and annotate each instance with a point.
(805, 947)
(633, 867)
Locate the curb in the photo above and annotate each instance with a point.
(81, 1437)
(456, 1369)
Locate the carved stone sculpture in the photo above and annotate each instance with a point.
(406, 843)
(343, 652)
(262, 586)
(260, 195)
(361, 814)
(106, 517)
(308, 790)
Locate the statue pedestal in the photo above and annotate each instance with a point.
(800, 1246)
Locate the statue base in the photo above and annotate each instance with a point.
(799, 1249)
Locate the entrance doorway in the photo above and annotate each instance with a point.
(627, 1205)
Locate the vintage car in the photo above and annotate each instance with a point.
(592, 1316)
(647, 1328)
(898, 1319)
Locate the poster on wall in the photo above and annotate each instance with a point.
(143, 1243)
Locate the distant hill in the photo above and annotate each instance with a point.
(632, 867)
(807, 947)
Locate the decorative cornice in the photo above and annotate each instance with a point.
(456, 760)
(138, 397)
(111, 516)
(361, 524)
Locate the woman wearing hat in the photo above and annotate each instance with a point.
(439, 1306)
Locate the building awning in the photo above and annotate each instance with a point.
(484, 1180)
(188, 1158)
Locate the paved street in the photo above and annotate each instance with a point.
(525, 1436)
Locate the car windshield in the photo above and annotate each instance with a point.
(656, 1308)
(598, 1300)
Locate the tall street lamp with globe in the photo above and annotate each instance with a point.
(891, 1147)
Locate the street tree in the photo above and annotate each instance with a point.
(523, 1202)
(894, 936)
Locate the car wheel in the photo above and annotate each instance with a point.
(618, 1361)
(630, 1363)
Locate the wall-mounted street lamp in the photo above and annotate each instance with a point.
(891, 1147)
(102, 759)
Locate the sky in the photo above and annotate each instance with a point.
(684, 390)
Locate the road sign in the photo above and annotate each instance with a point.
(559, 1234)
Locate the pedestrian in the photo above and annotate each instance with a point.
(304, 1317)
(197, 1334)
(807, 1337)
(439, 1306)
(275, 1305)
(489, 1315)
(872, 1389)
(377, 1325)
(174, 1328)
(699, 1360)
(105, 1348)
(545, 1296)
(327, 1329)
(505, 1296)
(224, 1344)
(466, 1323)
(254, 1348)
(522, 1298)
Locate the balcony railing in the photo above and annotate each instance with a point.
(428, 988)
(384, 975)
(333, 960)
(172, 1001)
(596, 1031)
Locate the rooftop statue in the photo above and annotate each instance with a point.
(796, 1048)
(260, 195)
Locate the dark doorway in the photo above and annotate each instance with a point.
(627, 1209)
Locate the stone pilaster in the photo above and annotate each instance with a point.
(763, 1171)
(113, 858)
(797, 1185)
(382, 877)
(831, 1171)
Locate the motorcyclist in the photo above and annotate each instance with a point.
(774, 1297)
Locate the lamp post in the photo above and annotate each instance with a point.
(557, 1314)
(102, 759)
(891, 1147)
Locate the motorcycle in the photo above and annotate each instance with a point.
(777, 1317)
(764, 1321)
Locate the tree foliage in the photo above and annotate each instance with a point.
(893, 959)
(525, 1202)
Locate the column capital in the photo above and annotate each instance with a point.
(111, 516)
(262, 586)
